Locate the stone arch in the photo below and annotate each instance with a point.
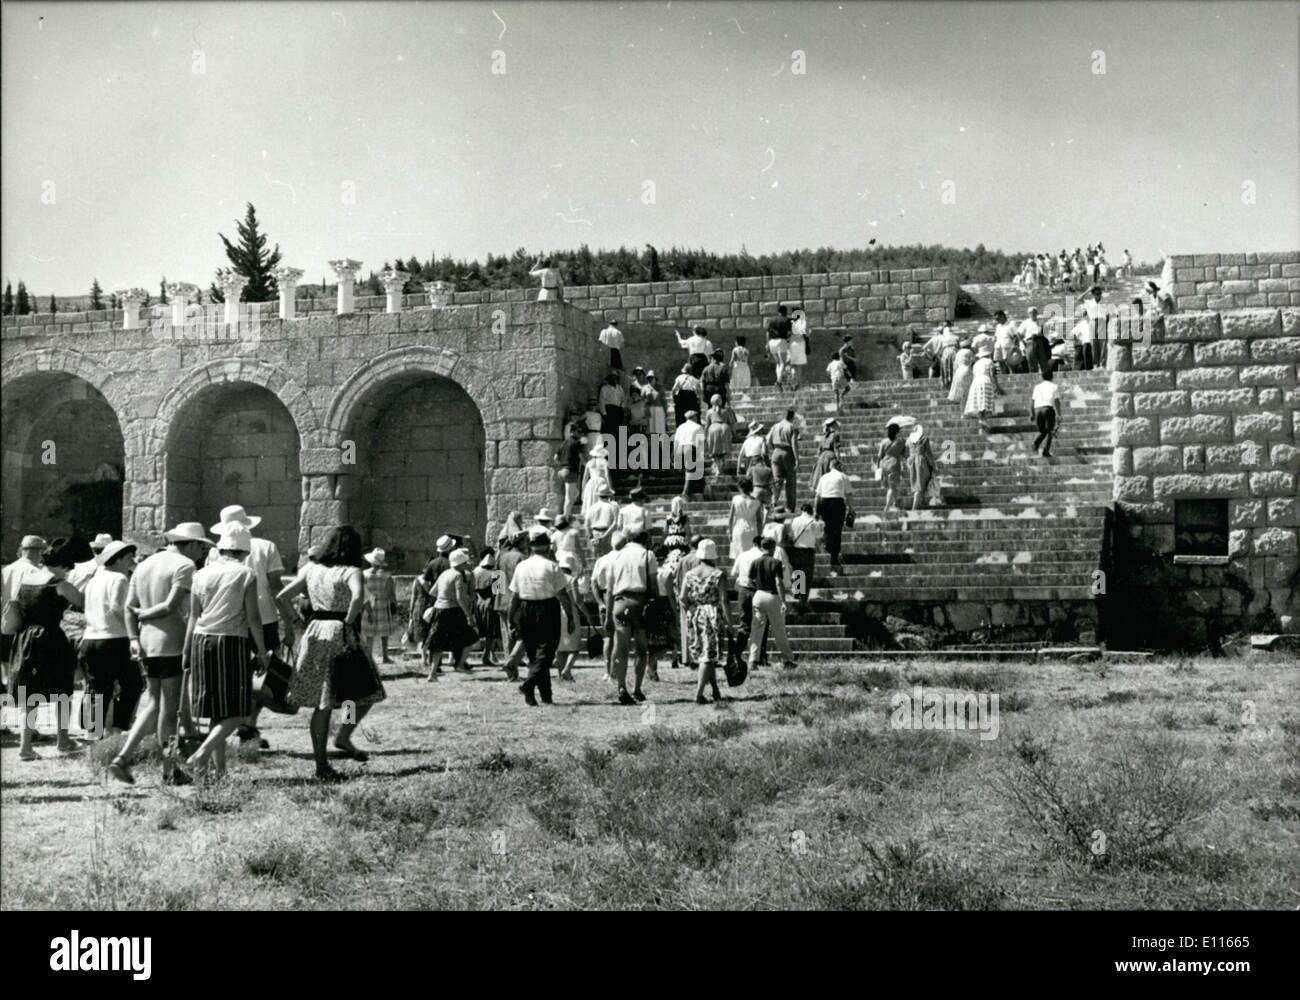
(414, 453)
(231, 431)
(77, 482)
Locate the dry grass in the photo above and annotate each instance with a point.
(795, 793)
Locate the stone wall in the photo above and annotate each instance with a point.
(1212, 410)
(1236, 280)
(842, 299)
(262, 412)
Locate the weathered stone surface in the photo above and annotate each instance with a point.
(1229, 400)
(1242, 323)
(1121, 461)
(1266, 375)
(1275, 349)
(1141, 381)
(1121, 404)
(1133, 488)
(1149, 460)
(1239, 542)
(966, 616)
(1285, 456)
(1193, 326)
(1207, 378)
(1264, 424)
(1170, 401)
(1135, 431)
(1246, 514)
(1163, 356)
(1202, 428)
(1206, 485)
(1194, 458)
(1275, 541)
(1219, 352)
(1273, 484)
(1284, 512)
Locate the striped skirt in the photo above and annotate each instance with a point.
(221, 668)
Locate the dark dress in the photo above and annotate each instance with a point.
(828, 449)
(42, 660)
(486, 620)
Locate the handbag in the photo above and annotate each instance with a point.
(595, 644)
(850, 517)
(736, 668)
(11, 619)
(352, 676)
(271, 687)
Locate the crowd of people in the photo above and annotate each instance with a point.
(1072, 271)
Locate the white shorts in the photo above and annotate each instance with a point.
(779, 348)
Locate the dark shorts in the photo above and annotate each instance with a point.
(271, 636)
(162, 668)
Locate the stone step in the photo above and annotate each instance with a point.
(931, 595)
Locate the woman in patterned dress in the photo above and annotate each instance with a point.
(708, 620)
(745, 519)
(828, 448)
(962, 375)
(741, 377)
(717, 433)
(677, 528)
(41, 659)
(984, 387)
(381, 603)
(337, 590)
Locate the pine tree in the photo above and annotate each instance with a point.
(96, 302)
(24, 304)
(54, 306)
(9, 299)
(162, 292)
(252, 260)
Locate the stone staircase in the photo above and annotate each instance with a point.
(1014, 543)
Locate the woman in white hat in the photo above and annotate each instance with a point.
(828, 448)
(753, 449)
(708, 621)
(453, 608)
(334, 668)
(381, 603)
(984, 388)
(798, 348)
(422, 595)
(595, 476)
(105, 651)
(223, 617)
(656, 407)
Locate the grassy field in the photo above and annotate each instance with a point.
(1165, 784)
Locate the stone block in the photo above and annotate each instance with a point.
(1266, 375)
(1138, 431)
(1207, 378)
(1271, 396)
(1246, 514)
(1172, 401)
(1242, 323)
(1133, 489)
(1275, 349)
(1193, 326)
(1223, 457)
(1151, 460)
(1166, 355)
(1194, 458)
(1261, 424)
(1223, 400)
(1291, 317)
(1284, 512)
(1285, 456)
(1200, 428)
(1121, 462)
(321, 461)
(1275, 542)
(1225, 484)
(1121, 404)
(1141, 381)
(1239, 542)
(1273, 484)
(1219, 352)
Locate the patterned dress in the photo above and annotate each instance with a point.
(327, 639)
(982, 392)
(381, 595)
(701, 592)
(677, 531)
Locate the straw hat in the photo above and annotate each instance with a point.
(102, 540)
(605, 490)
(188, 531)
(235, 536)
(33, 542)
(828, 421)
(235, 514)
(755, 427)
(114, 549)
(544, 516)
(377, 558)
(538, 535)
(707, 551)
(445, 544)
(459, 558)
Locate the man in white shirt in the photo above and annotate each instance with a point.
(633, 581)
(602, 520)
(157, 601)
(689, 453)
(699, 347)
(834, 499)
(600, 582)
(612, 406)
(1094, 336)
(805, 532)
(538, 591)
(742, 573)
(105, 651)
(1046, 407)
(265, 562)
(28, 563)
(632, 518)
(81, 573)
(612, 337)
(1004, 341)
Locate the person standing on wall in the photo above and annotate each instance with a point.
(783, 445)
(552, 289)
(539, 590)
(612, 337)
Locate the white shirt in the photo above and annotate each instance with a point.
(695, 344)
(263, 559)
(151, 583)
(631, 518)
(744, 565)
(689, 433)
(106, 606)
(1002, 340)
(220, 587)
(13, 576)
(1029, 329)
(632, 570)
(538, 579)
(1097, 314)
(81, 573)
(805, 530)
(600, 570)
(1046, 394)
(834, 484)
(612, 337)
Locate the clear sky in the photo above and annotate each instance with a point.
(123, 161)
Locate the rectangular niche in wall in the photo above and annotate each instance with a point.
(1200, 527)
